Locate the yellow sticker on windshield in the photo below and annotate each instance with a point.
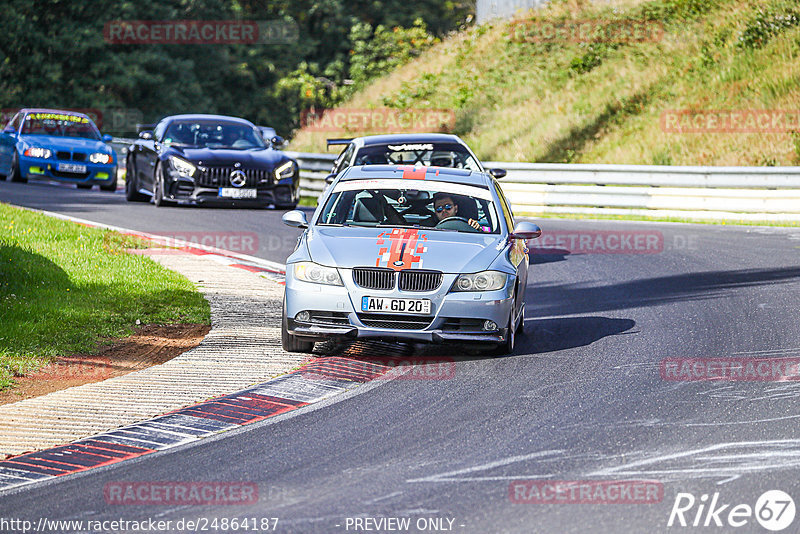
(56, 117)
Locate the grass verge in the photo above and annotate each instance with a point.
(565, 101)
(66, 288)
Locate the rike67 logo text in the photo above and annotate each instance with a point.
(774, 510)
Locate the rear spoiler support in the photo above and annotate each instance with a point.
(339, 141)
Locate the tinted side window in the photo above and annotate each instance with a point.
(158, 133)
(343, 161)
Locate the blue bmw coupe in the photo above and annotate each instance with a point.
(57, 145)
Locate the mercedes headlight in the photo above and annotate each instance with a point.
(308, 271)
(483, 281)
(38, 152)
(99, 157)
(285, 171)
(183, 167)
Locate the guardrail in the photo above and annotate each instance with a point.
(692, 193)
(120, 146)
(313, 170)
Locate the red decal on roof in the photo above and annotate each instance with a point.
(411, 172)
(404, 251)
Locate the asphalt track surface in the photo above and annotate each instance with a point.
(581, 398)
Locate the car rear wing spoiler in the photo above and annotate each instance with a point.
(339, 141)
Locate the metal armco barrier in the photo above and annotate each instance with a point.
(711, 193)
(313, 170)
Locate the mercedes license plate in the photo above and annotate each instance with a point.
(72, 167)
(232, 192)
(389, 305)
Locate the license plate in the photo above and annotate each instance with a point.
(388, 305)
(71, 167)
(232, 192)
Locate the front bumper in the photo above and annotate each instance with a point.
(456, 317)
(184, 190)
(96, 173)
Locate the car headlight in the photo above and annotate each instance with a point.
(183, 167)
(38, 152)
(99, 157)
(482, 281)
(285, 171)
(308, 271)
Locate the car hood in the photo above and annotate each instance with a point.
(218, 157)
(423, 248)
(65, 143)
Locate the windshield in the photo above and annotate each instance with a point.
(213, 134)
(392, 203)
(60, 124)
(429, 154)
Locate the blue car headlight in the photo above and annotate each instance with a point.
(285, 171)
(100, 157)
(38, 152)
(308, 271)
(482, 281)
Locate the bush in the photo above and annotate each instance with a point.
(765, 25)
(379, 52)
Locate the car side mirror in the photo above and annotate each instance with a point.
(146, 134)
(498, 173)
(277, 141)
(525, 230)
(295, 219)
(107, 138)
(330, 178)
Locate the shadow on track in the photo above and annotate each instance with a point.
(571, 299)
(550, 335)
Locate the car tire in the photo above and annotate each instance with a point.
(158, 188)
(110, 187)
(132, 193)
(83, 186)
(15, 175)
(292, 343)
(507, 347)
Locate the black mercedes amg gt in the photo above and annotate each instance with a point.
(209, 159)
